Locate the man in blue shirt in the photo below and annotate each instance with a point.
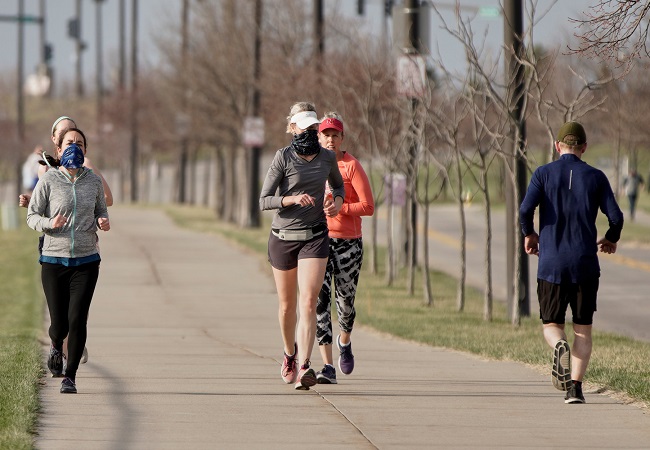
(569, 193)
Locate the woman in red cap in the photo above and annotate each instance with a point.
(345, 252)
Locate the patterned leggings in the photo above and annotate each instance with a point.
(344, 265)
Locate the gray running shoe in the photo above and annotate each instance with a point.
(68, 386)
(327, 375)
(55, 362)
(346, 359)
(561, 373)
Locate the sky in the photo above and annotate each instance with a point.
(553, 30)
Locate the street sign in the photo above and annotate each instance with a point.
(411, 76)
(253, 131)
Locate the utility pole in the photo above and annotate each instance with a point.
(256, 148)
(78, 50)
(100, 66)
(121, 76)
(319, 38)
(181, 119)
(133, 112)
(20, 95)
(412, 47)
(517, 259)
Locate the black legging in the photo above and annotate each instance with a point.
(69, 291)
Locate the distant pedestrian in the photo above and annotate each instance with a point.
(632, 184)
(345, 252)
(298, 242)
(30, 169)
(569, 194)
(68, 205)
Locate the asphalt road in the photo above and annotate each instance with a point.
(623, 305)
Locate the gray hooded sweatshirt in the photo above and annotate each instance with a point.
(81, 202)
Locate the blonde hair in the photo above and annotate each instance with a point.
(298, 108)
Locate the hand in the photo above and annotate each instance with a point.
(332, 208)
(606, 246)
(104, 224)
(303, 200)
(59, 221)
(531, 244)
(23, 200)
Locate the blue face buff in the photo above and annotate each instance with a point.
(73, 157)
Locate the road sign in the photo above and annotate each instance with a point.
(253, 131)
(411, 76)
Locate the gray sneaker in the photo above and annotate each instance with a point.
(55, 362)
(561, 373)
(346, 359)
(327, 375)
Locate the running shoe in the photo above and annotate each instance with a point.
(306, 377)
(327, 375)
(55, 362)
(346, 359)
(84, 356)
(289, 369)
(574, 394)
(561, 373)
(68, 386)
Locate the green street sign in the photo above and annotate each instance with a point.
(490, 12)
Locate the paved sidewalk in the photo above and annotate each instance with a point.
(185, 353)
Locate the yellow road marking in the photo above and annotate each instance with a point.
(628, 262)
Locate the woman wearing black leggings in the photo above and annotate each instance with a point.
(68, 205)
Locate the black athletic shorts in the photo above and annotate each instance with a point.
(284, 255)
(554, 299)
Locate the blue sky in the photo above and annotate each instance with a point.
(555, 29)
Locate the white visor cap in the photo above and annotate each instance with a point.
(304, 119)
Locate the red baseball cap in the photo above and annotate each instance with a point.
(330, 122)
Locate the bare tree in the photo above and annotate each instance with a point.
(615, 31)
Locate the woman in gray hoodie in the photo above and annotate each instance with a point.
(68, 205)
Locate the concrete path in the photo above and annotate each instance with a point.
(185, 354)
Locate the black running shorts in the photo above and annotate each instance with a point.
(554, 299)
(284, 255)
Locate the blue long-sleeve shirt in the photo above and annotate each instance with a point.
(569, 193)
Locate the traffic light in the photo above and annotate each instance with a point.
(74, 30)
(47, 51)
(388, 8)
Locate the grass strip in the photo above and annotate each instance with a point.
(21, 320)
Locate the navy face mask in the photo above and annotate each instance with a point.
(73, 157)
